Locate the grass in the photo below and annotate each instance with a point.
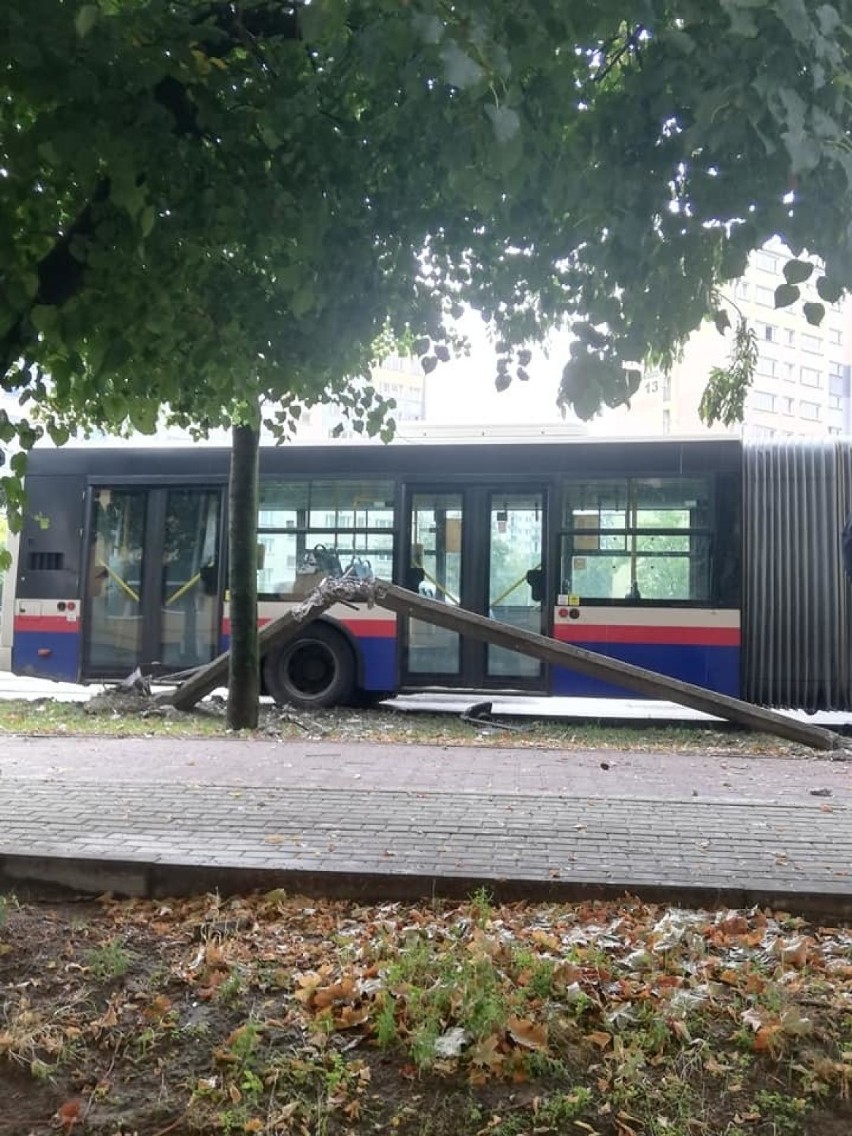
(381, 724)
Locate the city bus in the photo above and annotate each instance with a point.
(709, 560)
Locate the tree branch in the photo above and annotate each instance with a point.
(61, 274)
(632, 43)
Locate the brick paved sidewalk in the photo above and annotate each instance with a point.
(165, 816)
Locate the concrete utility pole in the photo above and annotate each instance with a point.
(589, 663)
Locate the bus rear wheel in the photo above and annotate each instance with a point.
(313, 671)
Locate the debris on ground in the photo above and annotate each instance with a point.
(274, 1014)
(481, 714)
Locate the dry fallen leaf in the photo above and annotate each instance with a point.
(530, 1035)
(69, 1114)
(324, 996)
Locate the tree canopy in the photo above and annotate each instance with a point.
(203, 202)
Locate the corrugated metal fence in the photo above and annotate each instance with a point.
(796, 598)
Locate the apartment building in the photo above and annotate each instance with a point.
(801, 386)
(399, 377)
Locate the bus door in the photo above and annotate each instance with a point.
(153, 586)
(479, 548)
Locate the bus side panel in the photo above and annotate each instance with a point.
(373, 631)
(46, 623)
(696, 646)
(714, 668)
(377, 666)
(46, 639)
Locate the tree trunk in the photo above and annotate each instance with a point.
(244, 667)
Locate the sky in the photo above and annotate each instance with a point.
(462, 392)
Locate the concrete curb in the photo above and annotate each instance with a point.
(52, 877)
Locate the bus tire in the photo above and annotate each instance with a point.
(315, 670)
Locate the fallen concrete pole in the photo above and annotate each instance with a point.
(331, 591)
(590, 663)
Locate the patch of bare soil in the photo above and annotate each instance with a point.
(275, 1015)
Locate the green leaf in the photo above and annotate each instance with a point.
(29, 282)
(146, 219)
(829, 19)
(503, 380)
(797, 271)
(143, 416)
(429, 28)
(722, 321)
(303, 300)
(742, 22)
(322, 21)
(506, 122)
(44, 318)
(828, 289)
(681, 40)
(459, 69)
(86, 19)
(786, 294)
(428, 363)
(805, 153)
(117, 353)
(814, 313)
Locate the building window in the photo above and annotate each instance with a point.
(741, 290)
(765, 296)
(763, 400)
(835, 431)
(667, 422)
(809, 377)
(835, 402)
(790, 336)
(812, 343)
(810, 411)
(835, 335)
(770, 333)
(788, 372)
(766, 262)
(667, 388)
(765, 366)
(787, 405)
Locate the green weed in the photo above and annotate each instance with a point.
(108, 961)
(785, 1114)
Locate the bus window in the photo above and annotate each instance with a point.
(189, 601)
(310, 529)
(115, 579)
(516, 575)
(637, 539)
(435, 560)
